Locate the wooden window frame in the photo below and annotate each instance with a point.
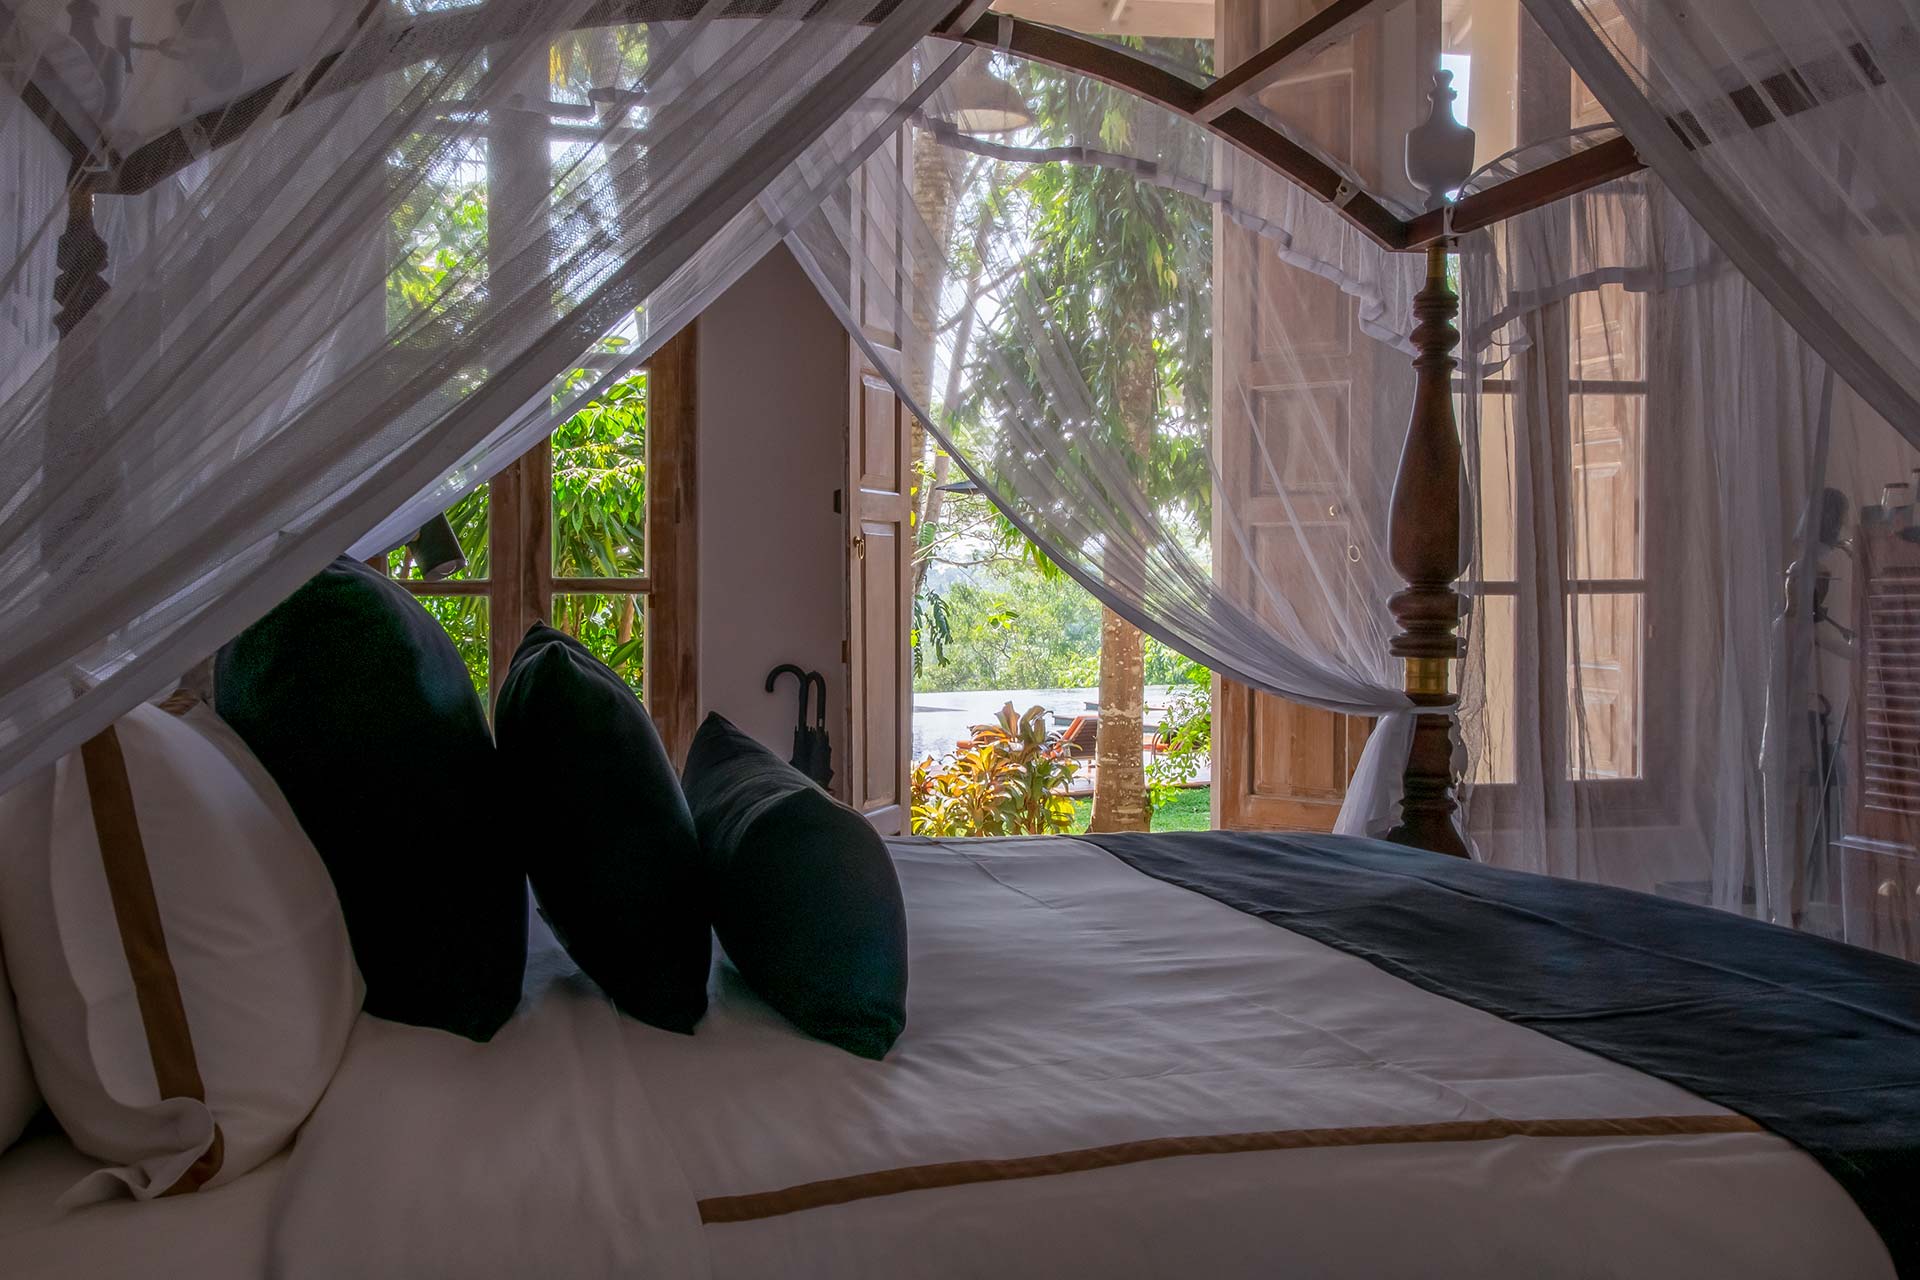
(1652, 798)
(1649, 798)
(520, 584)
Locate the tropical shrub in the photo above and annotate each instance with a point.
(1012, 780)
(1186, 735)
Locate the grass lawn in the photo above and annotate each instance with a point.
(1187, 811)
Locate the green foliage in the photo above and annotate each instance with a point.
(443, 244)
(1012, 780)
(932, 627)
(465, 618)
(610, 628)
(1009, 627)
(599, 531)
(600, 483)
(1119, 277)
(1186, 733)
(599, 453)
(1188, 810)
(600, 520)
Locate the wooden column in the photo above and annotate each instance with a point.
(1427, 539)
(520, 496)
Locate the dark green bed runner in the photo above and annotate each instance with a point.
(1816, 1040)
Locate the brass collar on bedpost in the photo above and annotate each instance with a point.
(1429, 676)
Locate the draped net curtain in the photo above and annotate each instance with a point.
(1729, 346)
(1652, 447)
(1240, 525)
(1654, 422)
(1658, 455)
(270, 378)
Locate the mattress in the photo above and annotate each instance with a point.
(1102, 1074)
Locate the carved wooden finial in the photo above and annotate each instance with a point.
(1427, 541)
(81, 259)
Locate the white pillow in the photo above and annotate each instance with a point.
(19, 1098)
(246, 989)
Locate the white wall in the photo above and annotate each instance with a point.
(772, 451)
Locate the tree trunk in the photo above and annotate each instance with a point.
(931, 504)
(1120, 784)
(1120, 781)
(927, 514)
(933, 197)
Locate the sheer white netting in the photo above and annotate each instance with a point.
(1786, 130)
(1235, 509)
(1663, 464)
(292, 347)
(294, 356)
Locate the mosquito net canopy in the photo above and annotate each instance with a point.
(1147, 289)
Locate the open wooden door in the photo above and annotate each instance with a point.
(1278, 764)
(879, 536)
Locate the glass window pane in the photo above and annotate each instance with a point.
(1607, 485)
(1618, 34)
(1605, 644)
(600, 486)
(1491, 739)
(1606, 337)
(469, 520)
(1495, 489)
(465, 618)
(610, 627)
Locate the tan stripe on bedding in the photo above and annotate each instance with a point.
(156, 988)
(923, 1177)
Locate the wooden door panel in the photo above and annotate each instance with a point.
(879, 581)
(1293, 435)
(879, 505)
(880, 446)
(881, 738)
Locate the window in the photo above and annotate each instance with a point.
(593, 529)
(1582, 470)
(1585, 386)
(590, 531)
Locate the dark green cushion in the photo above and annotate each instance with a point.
(802, 891)
(357, 703)
(612, 854)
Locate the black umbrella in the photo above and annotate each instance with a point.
(812, 754)
(819, 764)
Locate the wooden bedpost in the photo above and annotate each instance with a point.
(79, 284)
(1427, 539)
(81, 258)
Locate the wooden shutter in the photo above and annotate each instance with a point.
(1885, 790)
(1276, 763)
(879, 524)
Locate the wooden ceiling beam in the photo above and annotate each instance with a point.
(1322, 31)
(1113, 65)
(57, 124)
(1570, 175)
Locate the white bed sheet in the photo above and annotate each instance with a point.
(212, 1235)
(1058, 1000)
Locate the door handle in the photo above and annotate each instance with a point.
(860, 545)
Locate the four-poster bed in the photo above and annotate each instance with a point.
(1123, 1055)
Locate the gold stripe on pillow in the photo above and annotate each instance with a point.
(156, 987)
(180, 701)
